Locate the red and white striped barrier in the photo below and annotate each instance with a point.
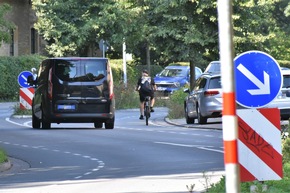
(259, 144)
(25, 98)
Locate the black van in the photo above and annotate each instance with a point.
(73, 90)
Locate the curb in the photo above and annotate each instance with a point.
(5, 166)
(175, 122)
(21, 116)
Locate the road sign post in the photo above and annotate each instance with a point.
(258, 82)
(25, 92)
(22, 79)
(259, 144)
(229, 118)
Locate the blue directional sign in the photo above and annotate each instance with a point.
(22, 79)
(258, 79)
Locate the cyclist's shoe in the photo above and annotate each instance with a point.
(141, 117)
(151, 109)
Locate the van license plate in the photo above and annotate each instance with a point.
(66, 107)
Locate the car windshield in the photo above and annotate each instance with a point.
(173, 72)
(213, 67)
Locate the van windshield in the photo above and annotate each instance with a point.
(80, 70)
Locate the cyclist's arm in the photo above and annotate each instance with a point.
(153, 84)
(138, 85)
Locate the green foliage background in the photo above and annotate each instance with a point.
(10, 67)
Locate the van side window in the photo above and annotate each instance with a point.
(42, 72)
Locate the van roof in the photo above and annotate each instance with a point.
(79, 58)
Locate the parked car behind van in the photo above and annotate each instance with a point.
(73, 90)
(282, 101)
(205, 100)
(213, 67)
(173, 78)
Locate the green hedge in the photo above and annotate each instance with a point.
(284, 63)
(133, 71)
(10, 68)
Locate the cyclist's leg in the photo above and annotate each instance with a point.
(142, 99)
(152, 102)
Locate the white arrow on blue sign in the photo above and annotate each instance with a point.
(22, 79)
(258, 79)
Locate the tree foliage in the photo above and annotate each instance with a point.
(74, 27)
(175, 30)
(5, 25)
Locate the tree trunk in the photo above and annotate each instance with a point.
(148, 58)
(192, 74)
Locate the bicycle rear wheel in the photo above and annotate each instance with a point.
(147, 114)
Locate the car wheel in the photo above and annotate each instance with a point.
(45, 124)
(109, 124)
(200, 118)
(35, 122)
(98, 125)
(188, 119)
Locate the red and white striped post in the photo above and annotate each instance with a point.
(229, 119)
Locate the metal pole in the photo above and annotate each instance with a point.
(104, 49)
(229, 118)
(124, 65)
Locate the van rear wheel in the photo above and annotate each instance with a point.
(109, 124)
(98, 125)
(35, 122)
(45, 124)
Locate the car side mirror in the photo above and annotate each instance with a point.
(186, 90)
(31, 81)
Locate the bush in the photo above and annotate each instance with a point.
(176, 104)
(3, 156)
(126, 97)
(133, 71)
(10, 68)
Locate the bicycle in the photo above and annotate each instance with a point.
(147, 108)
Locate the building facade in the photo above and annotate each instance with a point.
(25, 39)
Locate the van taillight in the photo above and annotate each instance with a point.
(211, 93)
(50, 84)
(111, 85)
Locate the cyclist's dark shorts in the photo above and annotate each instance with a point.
(143, 96)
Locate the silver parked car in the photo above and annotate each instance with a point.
(205, 101)
(282, 101)
(213, 67)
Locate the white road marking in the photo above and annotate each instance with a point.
(193, 146)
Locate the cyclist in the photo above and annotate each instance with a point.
(145, 91)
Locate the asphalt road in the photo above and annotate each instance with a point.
(131, 158)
